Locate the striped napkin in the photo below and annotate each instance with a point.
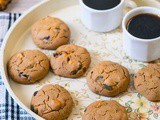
(9, 110)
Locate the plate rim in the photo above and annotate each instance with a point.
(3, 46)
(4, 78)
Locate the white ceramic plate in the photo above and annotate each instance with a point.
(102, 46)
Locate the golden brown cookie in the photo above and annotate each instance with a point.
(147, 82)
(50, 33)
(4, 4)
(52, 102)
(70, 61)
(108, 79)
(29, 66)
(105, 110)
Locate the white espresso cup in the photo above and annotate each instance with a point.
(104, 20)
(140, 49)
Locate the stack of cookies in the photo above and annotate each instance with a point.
(53, 102)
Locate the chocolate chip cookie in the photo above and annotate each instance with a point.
(29, 66)
(52, 102)
(105, 110)
(108, 79)
(70, 61)
(147, 82)
(50, 33)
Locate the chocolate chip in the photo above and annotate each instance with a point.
(107, 87)
(106, 103)
(60, 53)
(68, 59)
(92, 72)
(46, 38)
(20, 74)
(55, 54)
(64, 30)
(57, 28)
(23, 75)
(30, 66)
(65, 36)
(85, 110)
(26, 76)
(80, 67)
(84, 69)
(35, 93)
(74, 72)
(32, 108)
(99, 78)
(36, 111)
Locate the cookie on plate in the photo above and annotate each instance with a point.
(29, 66)
(50, 33)
(52, 102)
(147, 82)
(108, 79)
(105, 110)
(70, 61)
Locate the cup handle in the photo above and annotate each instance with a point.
(130, 4)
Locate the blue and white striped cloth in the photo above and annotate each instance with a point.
(9, 110)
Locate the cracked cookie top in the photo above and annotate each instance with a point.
(105, 110)
(29, 66)
(70, 61)
(52, 102)
(147, 82)
(108, 79)
(50, 33)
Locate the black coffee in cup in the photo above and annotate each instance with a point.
(145, 26)
(101, 4)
